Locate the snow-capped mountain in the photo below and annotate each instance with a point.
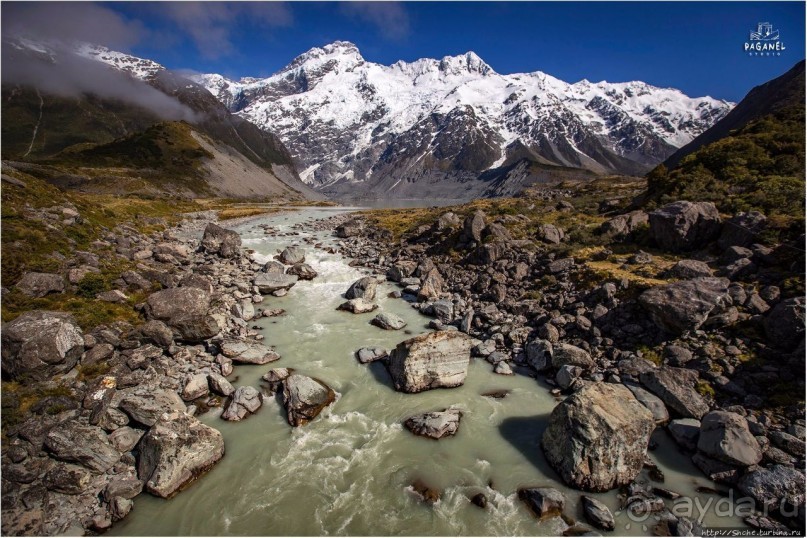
(357, 126)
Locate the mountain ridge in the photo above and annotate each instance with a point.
(339, 115)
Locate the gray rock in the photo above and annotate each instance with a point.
(67, 479)
(543, 502)
(40, 344)
(472, 228)
(789, 443)
(196, 387)
(248, 352)
(742, 230)
(194, 329)
(219, 384)
(687, 269)
(597, 438)
(273, 266)
(429, 361)
(685, 432)
(567, 375)
(125, 439)
(775, 487)
(371, 354)
(725, 436)
(675, 388)
(443, 310)
(304, 398)
(561, 266)
(401, 270)
(436, 425)
(119, 508)
(245, 401)
(217, 240)
(549, 233)
(652, 402)
(40, 284)
(357, 306)
(363, 288)
(349, 229)
(176, 450)
(146, 405)
(539, 354)
(784, 324)
(567, 354)
(276, 376)
(432, 286)
(303, 271)
(502, 368)
(389, 322)
(273, 282)
(685, 306)
(166, 305)
(125, 488)
(158, 332)
(597, 513)
(682, 226)
(86, 445)
(292, 256)
(624, 225)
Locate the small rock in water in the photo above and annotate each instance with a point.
(480, 500)
(427, 493)
(304, 398)
(502, 368)
(389, 322)
(497, 394)
(597, 513)
(370, 354)
(245, 401)
(358, 306)
(435, 425)
(543, 502)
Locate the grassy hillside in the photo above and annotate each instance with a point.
(758, 167)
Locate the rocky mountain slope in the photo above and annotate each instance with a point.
(753, 159)
(454, 126)
(63, 106)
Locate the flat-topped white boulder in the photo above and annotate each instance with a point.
(429, 361)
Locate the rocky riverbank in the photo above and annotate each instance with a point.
(703, 347)
(104, 414)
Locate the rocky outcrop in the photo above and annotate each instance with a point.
(186, 310)
(435, 425)
(775, 488)
(217, 240)
(145, 405)
(40, 284)
(304, 398)
(683, 226)
(434, 360)
(176, 450)
(40, 344)
(597, 438)
(686, 305)
(675, 387)
(624, 225)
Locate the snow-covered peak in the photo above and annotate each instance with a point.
(469, 62)
(138, 67)
(343, 54)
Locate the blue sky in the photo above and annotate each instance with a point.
(693, 46)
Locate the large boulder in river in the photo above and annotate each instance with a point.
(597, 438)
(217, 240)
(436, 425)
(686, 305)
(291, 256)
(272, 282)
(682, 226)
(177, 449)
(40, 284)
(429, 361)
(675, 388)
(85, 445)
(304, 398)
(725, 436)
(363, 288)
(40, 344)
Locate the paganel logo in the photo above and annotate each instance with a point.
(764, 41)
